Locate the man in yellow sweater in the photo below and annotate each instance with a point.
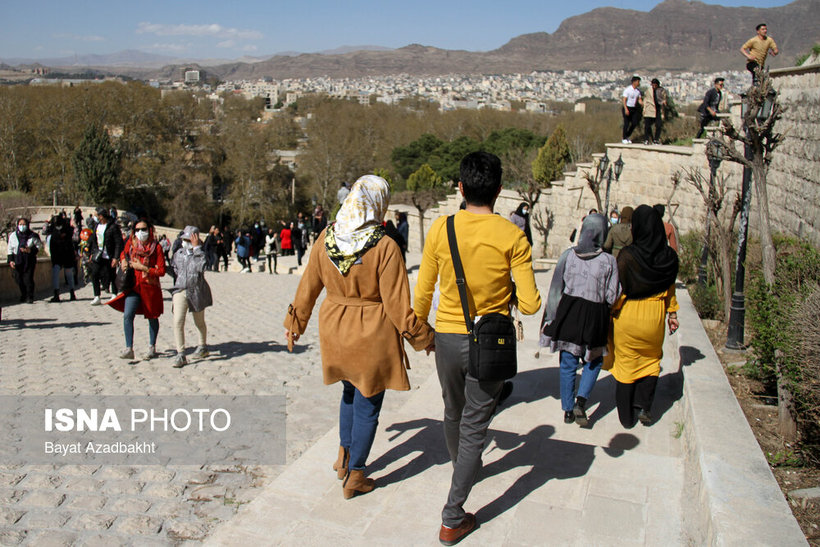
(492, 249)
(756, 50)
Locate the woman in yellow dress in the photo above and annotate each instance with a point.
(647, 270)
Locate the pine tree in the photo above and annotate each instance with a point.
(97, 166)
(552, 157)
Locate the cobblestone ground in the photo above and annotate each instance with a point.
(72, 348)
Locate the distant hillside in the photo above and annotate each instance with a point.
(675, 35)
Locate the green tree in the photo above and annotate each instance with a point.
(97, 166)
(425, 189)
(552, 158)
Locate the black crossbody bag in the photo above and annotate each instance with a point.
(493, 338)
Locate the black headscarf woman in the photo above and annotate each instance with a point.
(648, 266)
(521, 218)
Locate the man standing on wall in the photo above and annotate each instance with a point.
(491, 248)
(757, 49)
(708, 109)
(632, 102)
(653, 108)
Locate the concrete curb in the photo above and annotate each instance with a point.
(736, 499)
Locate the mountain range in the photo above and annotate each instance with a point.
(676, 35)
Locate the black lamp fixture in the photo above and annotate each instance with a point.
(619, 167)
(602, 165)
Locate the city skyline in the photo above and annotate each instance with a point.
(231, 30)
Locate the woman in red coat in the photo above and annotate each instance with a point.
(285, 238)
(143, 254)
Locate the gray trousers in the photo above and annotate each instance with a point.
(468, 410)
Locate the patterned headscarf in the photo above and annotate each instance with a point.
(358, 225)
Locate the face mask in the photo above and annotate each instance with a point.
(613, 221)
(187, 245)
(525, 211)
(142, 235)
(22, 228)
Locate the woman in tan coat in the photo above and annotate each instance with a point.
(362, 321)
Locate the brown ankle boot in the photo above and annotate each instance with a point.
(340, 467)
(355, 483)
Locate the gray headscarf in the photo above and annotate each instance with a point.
(593, 234)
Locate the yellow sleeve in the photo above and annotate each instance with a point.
(773, 45)
(671, 300)
(749, 44)
(529, 299)
(395, 293)
(428, 275)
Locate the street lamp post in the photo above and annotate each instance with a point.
(737, 314)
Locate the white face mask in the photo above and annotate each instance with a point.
(613, 221)
(22, 228)
(142, 235)
(187, 245)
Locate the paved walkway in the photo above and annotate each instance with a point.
(543, 482)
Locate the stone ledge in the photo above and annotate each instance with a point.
(737, 499)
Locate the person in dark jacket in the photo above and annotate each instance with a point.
(63, 257)
(521, 218)
(709, 108)
(243, 250)
(109, 247)
(23, 246)
(403, 227)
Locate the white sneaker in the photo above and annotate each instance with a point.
(628, 141)
(128, 353)
(113, 296)
(624, 141)
(150, 354)
(201, 352)
(96, 301)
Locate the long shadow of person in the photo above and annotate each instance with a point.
(670, 386)
(427, 442)
(547, 459)
(533, 385)
(228, 350)
(604, 395)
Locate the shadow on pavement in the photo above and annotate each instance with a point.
(546, 458)
(427, 441)
(533, 385)
(670, 386)
(228, 350)
(14, 324)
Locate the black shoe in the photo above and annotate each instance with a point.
(73, 296)
(56, 297)
(506, 391)
(22, 298)
(645, 417)
(30, 300)
(569, 417)
(580, 415)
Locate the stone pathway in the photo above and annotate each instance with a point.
(71, 348)
(543, 482)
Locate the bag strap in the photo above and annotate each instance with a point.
(461, 283)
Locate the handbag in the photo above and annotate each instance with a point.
(492, 337)
(125, 279)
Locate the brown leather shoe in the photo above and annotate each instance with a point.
(340, 467)
(451, 536)
(355, 483)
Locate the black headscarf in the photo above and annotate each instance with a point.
(648, 266)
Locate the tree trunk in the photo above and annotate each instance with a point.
(786, 424)
(724, 250)
(421, 226)
(769, 257)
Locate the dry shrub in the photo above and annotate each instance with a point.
(806, 350)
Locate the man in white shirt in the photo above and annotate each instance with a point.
(631, 105)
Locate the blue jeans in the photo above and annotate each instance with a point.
(358, 419)
(569, 364)
(132, 302)
(55, 277)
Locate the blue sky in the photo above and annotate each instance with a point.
(232, 28)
